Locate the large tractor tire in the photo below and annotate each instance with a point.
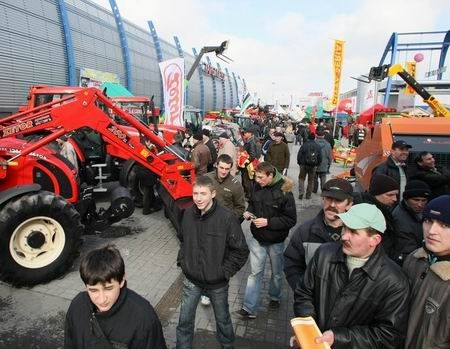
(39, 238)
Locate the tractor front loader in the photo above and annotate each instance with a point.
(43, 209)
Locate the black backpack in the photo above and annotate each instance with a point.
(312, 156)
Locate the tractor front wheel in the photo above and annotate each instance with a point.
(39, 238)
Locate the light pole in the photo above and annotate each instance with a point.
(273, 93)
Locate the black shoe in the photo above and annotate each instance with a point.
(300, 197)
(308, 197)
(273, 304)
(245, 314)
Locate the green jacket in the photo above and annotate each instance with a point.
(229, 193)
(278, 155)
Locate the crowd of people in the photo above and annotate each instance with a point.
(372, 269)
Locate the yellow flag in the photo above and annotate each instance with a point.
(338, 57)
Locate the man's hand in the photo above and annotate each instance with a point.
(327, 337)
(293, 343)
(260, 222)
(248, 215)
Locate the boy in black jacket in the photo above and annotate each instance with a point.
(212, 250)
(108, 314)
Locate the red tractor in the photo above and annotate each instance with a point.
(43, 209)
(99, 158)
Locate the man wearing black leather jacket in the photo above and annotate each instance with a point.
(357, 295)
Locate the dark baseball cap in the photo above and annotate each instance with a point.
(337, 188)
(400, 144)
(224, 135)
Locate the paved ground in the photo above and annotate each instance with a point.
(34, 318)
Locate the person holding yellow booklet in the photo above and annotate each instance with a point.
(358, 297)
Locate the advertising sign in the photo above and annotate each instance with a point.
(172, 72)
(338, 57)
(94, 78)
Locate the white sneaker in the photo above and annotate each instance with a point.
(205, 301)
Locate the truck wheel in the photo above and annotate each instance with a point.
(39, 238)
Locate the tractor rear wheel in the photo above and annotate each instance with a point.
(39, 238)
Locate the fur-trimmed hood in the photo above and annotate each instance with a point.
(288, 185)
(440, 268)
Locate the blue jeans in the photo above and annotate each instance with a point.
(189, 302)
(258, 254)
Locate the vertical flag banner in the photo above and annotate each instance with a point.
(247, 102)
(411, 69)
(172, 72)
(338, 57)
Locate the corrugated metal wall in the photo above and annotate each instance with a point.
(32, 51)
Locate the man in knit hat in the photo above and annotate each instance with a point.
(408, 219)
(428, 269)
(357, 295)
(383, 191)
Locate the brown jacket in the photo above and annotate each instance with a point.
(429, 325)
(200, 157)
(278, 155)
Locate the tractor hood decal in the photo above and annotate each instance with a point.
(22, 126)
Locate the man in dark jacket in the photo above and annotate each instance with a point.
(212, 149)
(383, 192)
(108, 314)
(308, 158)
(428, 270)
(325, 227)
(395, 164)
(437, 177)
(278, 154)
(408, 219)
(212, 250)
(272, 213)
(251, 148)
(357, 295)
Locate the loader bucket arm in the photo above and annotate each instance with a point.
(84, 109)
(383, 71)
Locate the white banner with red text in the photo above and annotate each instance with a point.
(172, 72)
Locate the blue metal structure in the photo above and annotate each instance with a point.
(159, 56)
(396, 45)
(214, 106)
(123, 44)
(202, 83)
(181, 54)
(224, 92)
(231, 87)
(71, 68)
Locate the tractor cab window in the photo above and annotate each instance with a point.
(193, 120)
(138, 109)
(48, 98)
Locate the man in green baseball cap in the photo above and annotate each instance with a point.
(358, 296)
